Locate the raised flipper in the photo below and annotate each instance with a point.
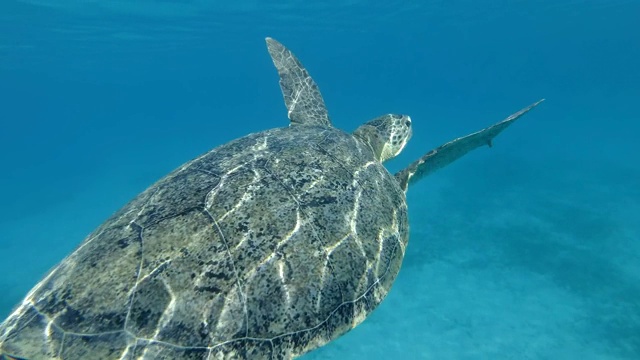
(301, 94)
(447, 153)
(9, 357)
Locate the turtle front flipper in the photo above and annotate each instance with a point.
(9, 357)
(301, 94)
(447, 153)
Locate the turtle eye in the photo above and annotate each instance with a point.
(408, 122)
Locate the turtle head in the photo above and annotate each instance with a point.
(386, 135)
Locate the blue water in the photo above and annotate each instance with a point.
(528, 250)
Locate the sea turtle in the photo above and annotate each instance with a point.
(266, 247)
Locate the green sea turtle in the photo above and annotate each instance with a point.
(263, 248)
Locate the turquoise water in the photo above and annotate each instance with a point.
(530, 249)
